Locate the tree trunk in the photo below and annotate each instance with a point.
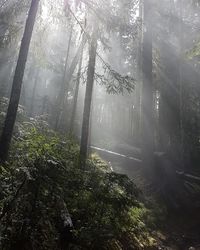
(147, 123)
(170, 93)
(34, 92)
(76, 94)
(137, 94)
(88, 99)
(17, 82)
(61, 95)
(68, 78)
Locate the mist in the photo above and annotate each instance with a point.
(100, 109)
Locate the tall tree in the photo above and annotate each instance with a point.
(147, 88)
(88, 98)
(137, 96)
(76, 94)
(17, 82)
(170, 84)
(37, 73)
(68, 77)
(61, 94)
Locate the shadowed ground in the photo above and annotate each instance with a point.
(182, 229)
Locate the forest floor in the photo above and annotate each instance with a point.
(179, 230)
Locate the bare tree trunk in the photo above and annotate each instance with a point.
(34, 92)
(68, 78)
(76, 94)
(17, 82)
(147, 89)
(61, 95)
(88, 99)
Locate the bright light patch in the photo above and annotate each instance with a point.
(44, 11)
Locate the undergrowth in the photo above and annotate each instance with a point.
(48, 201)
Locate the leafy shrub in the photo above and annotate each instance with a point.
(43, 190)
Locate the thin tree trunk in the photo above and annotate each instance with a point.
(147, 90)
(44, 105)
(23, 96)
(88, 99)
(76, 94)
(34, 92)
(29, 75)
(61, 95)
(68, 78)
(17, 82)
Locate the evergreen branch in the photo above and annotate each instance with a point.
(125, 82)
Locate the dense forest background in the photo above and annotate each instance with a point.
(100, 124)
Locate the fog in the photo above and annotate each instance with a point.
(99, 115)
(116, 104)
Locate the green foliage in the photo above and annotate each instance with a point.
(114, 82)
(43, 187)
(194, 52)
(10, 19)
(21, 114)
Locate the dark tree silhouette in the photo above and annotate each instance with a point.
(17, 82)
(61, 95)
(88, 99)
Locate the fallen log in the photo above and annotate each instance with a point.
(188, 177)
(115, 154)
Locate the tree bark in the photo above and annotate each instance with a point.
(88, 99)
(17, 82)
